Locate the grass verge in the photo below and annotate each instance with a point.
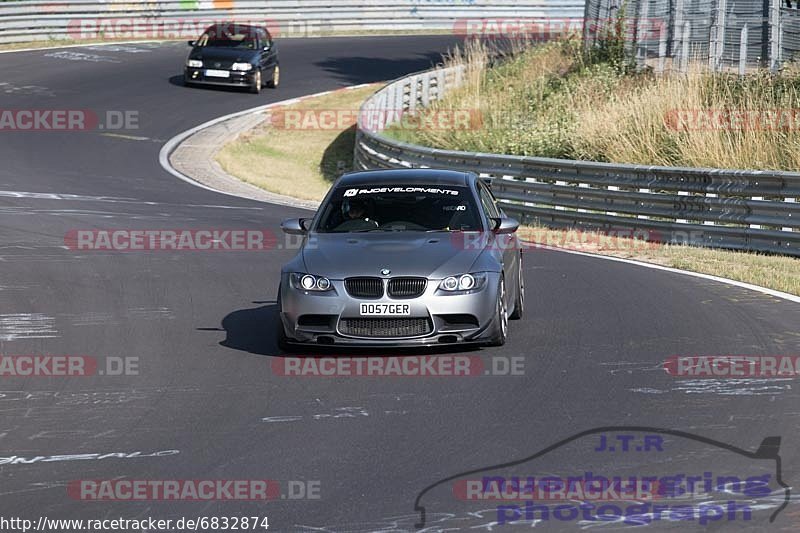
(302, 157)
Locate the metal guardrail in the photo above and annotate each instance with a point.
(35, 20)
(736, 209)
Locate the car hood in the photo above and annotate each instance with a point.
(434, 256)
(227, 55)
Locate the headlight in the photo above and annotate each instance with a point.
(307, 282)
(463, 283)
(242, 67)
(194, 63)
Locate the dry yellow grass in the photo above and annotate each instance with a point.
(301, 163)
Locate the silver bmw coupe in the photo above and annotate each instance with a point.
(410, 257)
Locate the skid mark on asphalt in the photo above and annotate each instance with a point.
(725, 387)
(12, 398)
(629, 367)
(120, 48)
(17, 326)
(387, 405)
(102, 318)
(151, 313)
(339, 412)
(78, 56)
(34, 90)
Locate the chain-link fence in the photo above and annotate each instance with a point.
(724, 34)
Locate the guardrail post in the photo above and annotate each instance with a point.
(426, 89)
(682, 220)
(710, 222)
(612, 188)
(412, 95)
(756, 226)
(790, 201)
(441, 81)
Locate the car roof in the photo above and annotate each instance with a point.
(411, 176)
(235, 25)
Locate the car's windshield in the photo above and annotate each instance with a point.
(228, 37)
(400, 207)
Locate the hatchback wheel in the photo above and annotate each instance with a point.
(276, 77)
(257, 83)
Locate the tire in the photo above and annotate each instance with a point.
(501, 317)
(519, 301)
(257, 83)
(276, 78)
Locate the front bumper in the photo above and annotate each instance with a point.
(236, 79)
(452, 318)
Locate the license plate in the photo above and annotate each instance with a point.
(385, 309)
(218, 73)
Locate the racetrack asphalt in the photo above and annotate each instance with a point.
(201, 324)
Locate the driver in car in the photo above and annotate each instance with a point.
(356, 217)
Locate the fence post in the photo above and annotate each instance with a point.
(717, 37)
(774, 34)
(687, 32)
(677, 28)
(641, 47)
(743, 51)
(662, 46)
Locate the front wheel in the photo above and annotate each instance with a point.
(257, 83)
(276, 78)
(502, 317)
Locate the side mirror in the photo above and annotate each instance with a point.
(295, 226)
(267, 47)
(505, 225)
(191, 43)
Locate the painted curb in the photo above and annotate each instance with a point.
(172, 144)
